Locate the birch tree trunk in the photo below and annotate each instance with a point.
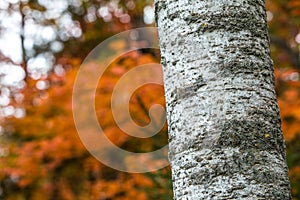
(225, 135)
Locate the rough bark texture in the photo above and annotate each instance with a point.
(225, 133)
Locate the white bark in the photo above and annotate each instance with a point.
(225, 133)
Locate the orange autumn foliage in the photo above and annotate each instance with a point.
(49, 158)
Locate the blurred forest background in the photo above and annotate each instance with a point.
(43, 43)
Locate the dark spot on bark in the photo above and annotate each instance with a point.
(251, 134)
